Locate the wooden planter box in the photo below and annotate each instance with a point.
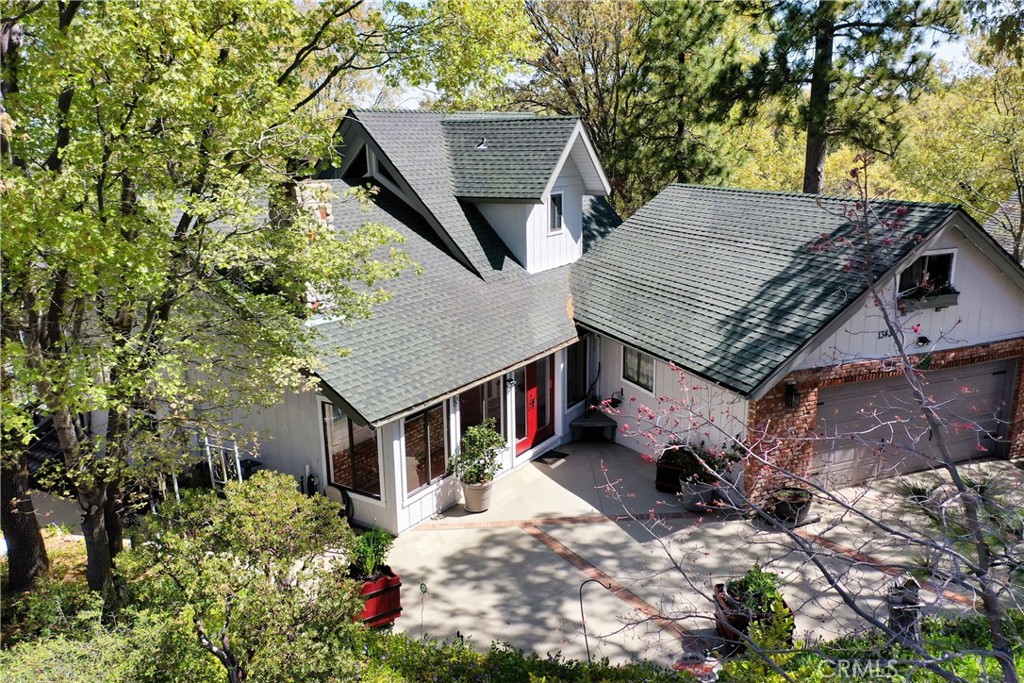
(666, 477)
(937, 301)
(383, 600)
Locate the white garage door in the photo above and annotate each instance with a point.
(875, 429)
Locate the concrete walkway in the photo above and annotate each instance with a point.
(514, 573)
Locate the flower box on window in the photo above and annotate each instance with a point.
(936, 301)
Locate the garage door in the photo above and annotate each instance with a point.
(875, 429)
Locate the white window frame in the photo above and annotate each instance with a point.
(552, 229)
(937, 252)
(417, 492)
(640, 356)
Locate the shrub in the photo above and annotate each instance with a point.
(696, 461)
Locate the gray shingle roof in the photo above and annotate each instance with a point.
(996, 225)
(726, 283)
(505, 156)
(442, 329)
(414, 142)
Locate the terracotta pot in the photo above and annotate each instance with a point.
(733, 619)
(478, 496)
(383, 600)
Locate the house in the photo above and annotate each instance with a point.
(532, 299)
(775, 336)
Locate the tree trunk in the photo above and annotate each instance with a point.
(91, 492)
(819, 104)
(26, 553)
(114, 523)
(93, 500)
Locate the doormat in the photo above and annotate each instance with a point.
(552, 458)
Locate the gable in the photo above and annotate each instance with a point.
(412, 143)
(989, 307)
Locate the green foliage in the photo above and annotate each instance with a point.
(477, 460)
(700, 464)
(642, 78)
(861, 61)
(151, 213)
(757, 590)
(248, 574)
(396, 657)
(370, 552)
(965, 143)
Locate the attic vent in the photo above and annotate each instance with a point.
(482, 144)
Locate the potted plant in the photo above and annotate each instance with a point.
(698, 471)
(381, 586)
(477, 463)
(754, 598)
(790, 505)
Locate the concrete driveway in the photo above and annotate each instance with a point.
(515, 572)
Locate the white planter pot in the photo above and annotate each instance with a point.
(477, 496)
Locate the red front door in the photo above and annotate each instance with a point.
(535, 409)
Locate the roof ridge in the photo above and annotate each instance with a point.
(468, 115)
(784, 193)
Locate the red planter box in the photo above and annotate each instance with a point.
(383, 600)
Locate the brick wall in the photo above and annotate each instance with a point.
(786, 435)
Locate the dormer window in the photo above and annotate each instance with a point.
(928, 276)
(928, 283)
(555, 214)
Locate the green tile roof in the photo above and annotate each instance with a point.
(414, 142)
(727, 283)
(442, 329)
(505, 156)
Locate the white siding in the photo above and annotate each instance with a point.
(509, 221)
(290, 438)
(289, 435)
(990, 308)
(721, 414)
(550, 250)
(524, 227)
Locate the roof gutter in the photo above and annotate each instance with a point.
(455, 392)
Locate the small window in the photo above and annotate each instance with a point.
(929, 276)
(638, 368)
(555, 214)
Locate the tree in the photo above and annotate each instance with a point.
(251, 574)
(27, 552)
(147, 289)
(969, 533)
(861, 60)
(966, 144)
(773, 158)
(641, 76)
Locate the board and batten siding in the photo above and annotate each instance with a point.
(524, 227)
(290, 438)
(990, 308)
(721, 414)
